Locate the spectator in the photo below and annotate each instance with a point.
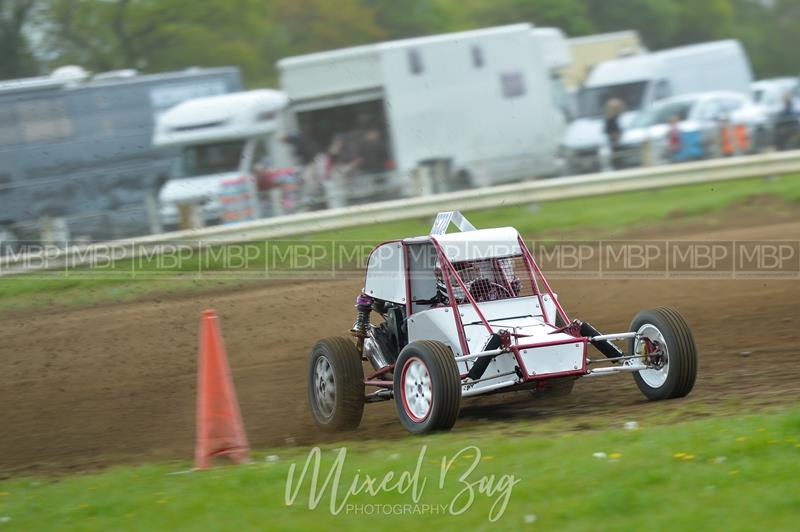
(340, 150)
(613, 131)
(373, 154)
(614, 108)
(786, 124)
(674, 144)
(788, 105)
(304, 148)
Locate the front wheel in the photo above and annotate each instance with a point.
(336, 384)
(667, 343)
(427, 387)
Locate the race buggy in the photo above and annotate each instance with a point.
(470, 313)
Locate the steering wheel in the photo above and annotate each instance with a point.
(486, 290)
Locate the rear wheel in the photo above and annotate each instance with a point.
(336, 384)
(669, 345)
(427, 387)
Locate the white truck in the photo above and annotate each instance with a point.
(479, 100)
(641, 80)
(222, 139)
(589, 51)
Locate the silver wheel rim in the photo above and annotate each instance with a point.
(324, 387)
(654, 378)
(417, 389)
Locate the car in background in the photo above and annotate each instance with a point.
(699, 119)
(771, 94)
(640, 81)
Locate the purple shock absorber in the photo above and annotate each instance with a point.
(363, 306)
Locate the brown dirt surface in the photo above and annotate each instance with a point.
(88, 387)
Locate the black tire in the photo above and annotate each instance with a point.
(681, 364)
(342, 409)
(439, 377)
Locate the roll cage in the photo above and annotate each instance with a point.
(503, 250)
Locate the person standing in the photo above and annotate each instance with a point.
(786, 126)
(674, 140)
(614, 109)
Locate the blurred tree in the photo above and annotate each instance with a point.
(569, 15)
(703, 21)
(769, 32)
(16, 59)
(655, 20)
(168, 34)
(317, 25)
(409, 18)
(155, 34)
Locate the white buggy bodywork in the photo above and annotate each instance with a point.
(471, 313)
(527, 316)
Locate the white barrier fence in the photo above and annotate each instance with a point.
(482, 198)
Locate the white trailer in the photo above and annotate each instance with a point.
(641, 80)
(479, 100)
(557, 58)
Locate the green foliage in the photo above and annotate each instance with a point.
(656, 20)
(770, 35)
(16, 59)
(703, 21)
(155, 35)
(569, 15)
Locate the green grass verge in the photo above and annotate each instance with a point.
(580, 217)
(727, 473)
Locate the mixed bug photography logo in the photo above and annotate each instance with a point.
(451, 488)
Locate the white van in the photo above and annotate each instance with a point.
(641, 80)
(221, 138)
(479, 100)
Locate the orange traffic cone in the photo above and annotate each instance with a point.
(220, 430)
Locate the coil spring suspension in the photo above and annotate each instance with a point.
(363, 308)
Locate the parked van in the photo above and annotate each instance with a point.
(479, 101)
(222, 139)
(641, 80)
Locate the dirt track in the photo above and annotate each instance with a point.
(116, 383)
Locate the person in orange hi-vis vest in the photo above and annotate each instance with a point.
(726, 137)
(742, 138)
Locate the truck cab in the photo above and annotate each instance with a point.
(230, 146)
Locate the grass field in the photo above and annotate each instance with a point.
(582, 216)
(726, 473)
